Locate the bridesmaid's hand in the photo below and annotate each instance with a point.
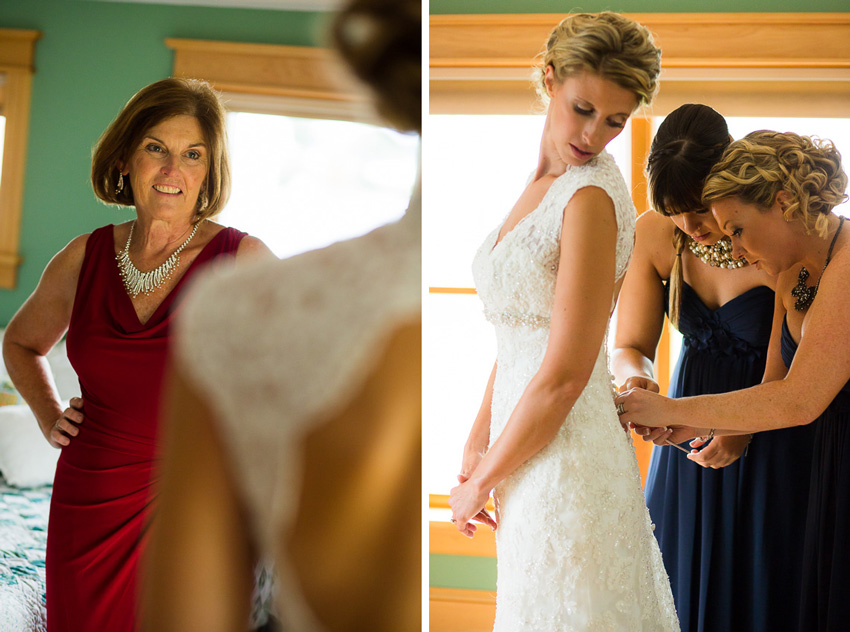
(666, 436)
(468, 503)
(720, 451)
(645, 408)
(67, 426)
(640, 381)
(637, 381)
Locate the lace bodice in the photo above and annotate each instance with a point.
(536, 240)
(277, 348)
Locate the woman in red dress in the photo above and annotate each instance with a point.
(166, 155)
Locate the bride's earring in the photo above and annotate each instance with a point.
(120, 186)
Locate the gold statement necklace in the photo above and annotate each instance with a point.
(718, 255)
(138, 282)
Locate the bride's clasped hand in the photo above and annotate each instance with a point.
(468, 503)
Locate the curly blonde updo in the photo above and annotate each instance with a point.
(381, 40)
(763, 163)
(608, 44)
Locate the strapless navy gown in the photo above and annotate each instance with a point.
(731, 538)
(826, 545)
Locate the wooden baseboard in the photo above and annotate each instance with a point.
(445, 539)
(456, 610)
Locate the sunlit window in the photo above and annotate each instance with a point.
(475, 169)
(301, 183)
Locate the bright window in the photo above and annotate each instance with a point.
(475, 168)
(302, 183)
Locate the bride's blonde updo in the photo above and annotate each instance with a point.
(765, 162)
(608, 44)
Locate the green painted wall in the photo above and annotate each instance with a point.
(635, 6)
(460, 571)
(92, 57)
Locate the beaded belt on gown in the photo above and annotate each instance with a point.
(535, 321)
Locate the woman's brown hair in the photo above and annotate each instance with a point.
(150, 106)
(381, 40)
(688, 143)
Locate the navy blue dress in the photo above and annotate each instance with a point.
(730, 537)
(826, 545)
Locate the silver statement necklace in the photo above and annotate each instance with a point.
(718, 255)
(138, 282)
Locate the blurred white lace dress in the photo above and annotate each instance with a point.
(278, 348)
(575, 545)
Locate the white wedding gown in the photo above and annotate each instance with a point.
(574, 541)
(280, 347)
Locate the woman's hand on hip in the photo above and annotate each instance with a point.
(67, 426)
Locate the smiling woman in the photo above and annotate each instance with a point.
(165, 155)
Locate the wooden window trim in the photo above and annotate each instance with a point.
(300, 81)
(17, 53)
(743, 64)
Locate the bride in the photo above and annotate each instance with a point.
(574, 540)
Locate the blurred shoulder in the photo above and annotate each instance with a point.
(254, 248)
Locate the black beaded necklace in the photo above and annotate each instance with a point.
(803, 293)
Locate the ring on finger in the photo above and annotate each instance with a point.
(620, 408)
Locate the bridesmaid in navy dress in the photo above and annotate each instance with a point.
(720, 526)
(773, 193)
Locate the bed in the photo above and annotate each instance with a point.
(23, 536)
(27, 464)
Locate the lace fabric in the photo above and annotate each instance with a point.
(279, 347)
(575, 544)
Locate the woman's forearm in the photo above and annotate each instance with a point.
(628, 362)
(533, 424)
(768, 406)
(479, 434)
(32, 377)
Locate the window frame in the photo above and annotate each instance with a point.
(17, 55)
(742, 64)
(301, 81)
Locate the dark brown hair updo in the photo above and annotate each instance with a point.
(688, 143)
(149, 107)
(763, 163)
(381, 40)
(608, 44)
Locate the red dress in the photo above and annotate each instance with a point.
(103, 482)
